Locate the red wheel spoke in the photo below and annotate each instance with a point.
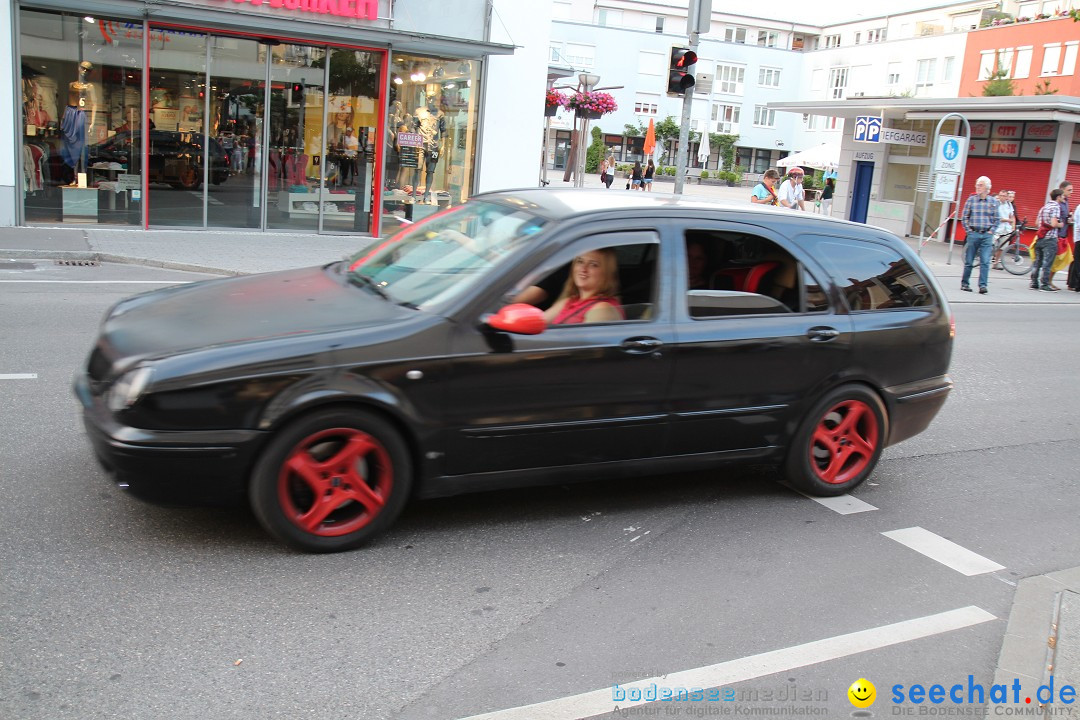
(355, 449)
(313, 518)
(862, 446)
(825, 438)
(372, 501)
(855, 413)
(836, 464)
(309, 471)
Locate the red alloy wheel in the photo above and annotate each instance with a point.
(844, 442)
(335, 482)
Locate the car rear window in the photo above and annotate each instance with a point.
(874, 277)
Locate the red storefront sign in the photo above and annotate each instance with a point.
(1004, 148)
(1040, 131)
(980, 129)
(362, 9)
(1007, 131)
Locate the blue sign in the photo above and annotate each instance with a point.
(951, 149)
(867, 129)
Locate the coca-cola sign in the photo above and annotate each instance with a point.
(1040, 130)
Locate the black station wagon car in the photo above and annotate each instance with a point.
(523, 337)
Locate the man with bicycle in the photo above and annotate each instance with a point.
(1007, 215)
(979, 218)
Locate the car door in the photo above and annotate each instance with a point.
(763, 340)
(573, 394)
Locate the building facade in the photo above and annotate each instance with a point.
(264, 115)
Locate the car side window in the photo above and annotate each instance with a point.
(874, 277)
(624, 276)
(733, 273)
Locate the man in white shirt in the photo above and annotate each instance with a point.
(1006, 223)
(792, 195)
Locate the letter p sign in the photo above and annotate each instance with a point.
(867, 129)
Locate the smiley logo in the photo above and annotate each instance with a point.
(862, 693)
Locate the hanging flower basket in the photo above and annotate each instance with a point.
(592, 105)
(553, 101)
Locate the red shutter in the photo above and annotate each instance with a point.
(1028, 178)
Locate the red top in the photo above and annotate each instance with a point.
(573, 312)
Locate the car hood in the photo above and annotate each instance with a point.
(243, 309)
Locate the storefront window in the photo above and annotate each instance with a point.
(81, 78)
(176, 194)
(352, 118)
(430, 136)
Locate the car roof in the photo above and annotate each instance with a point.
(563, 203)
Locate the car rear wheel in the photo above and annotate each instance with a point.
(839, 442)
(331, 481)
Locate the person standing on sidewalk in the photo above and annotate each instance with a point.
(979, 218)
(1007, 216)
(1048, 222)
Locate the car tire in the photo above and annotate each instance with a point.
(839, 442)
(331, 480)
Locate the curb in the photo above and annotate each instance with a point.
(81, 256)
(1041, 639)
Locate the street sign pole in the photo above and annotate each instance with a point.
(934, 164)
(699, 15)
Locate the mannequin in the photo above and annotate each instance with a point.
(431, 123)
(74, 124)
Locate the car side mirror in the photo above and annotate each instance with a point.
(518, 318)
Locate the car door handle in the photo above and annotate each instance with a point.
(641, 345)
(823, 334)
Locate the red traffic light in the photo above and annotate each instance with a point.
(682, 58)
(679, 80)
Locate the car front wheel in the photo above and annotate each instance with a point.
(331, 481)
(839, 442)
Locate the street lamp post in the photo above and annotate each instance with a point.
(587, 81)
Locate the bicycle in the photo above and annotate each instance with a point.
(1011, 252)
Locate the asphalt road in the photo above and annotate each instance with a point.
(110, 608)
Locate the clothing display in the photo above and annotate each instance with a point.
(73, 133)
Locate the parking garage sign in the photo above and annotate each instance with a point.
(950, 153)
(867, 129)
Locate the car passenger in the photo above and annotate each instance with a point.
(590, 293)
(697, 260)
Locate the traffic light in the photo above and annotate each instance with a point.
(679, 78)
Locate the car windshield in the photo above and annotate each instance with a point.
(436, 260)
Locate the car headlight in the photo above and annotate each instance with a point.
(126, 391)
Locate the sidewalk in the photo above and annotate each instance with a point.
(1043, 635)
(239, 252)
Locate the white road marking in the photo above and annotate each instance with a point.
(843, 504)
(944, 551)
(18, 376)
(102, 282)
(598, 702)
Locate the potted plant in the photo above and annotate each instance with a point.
(592, 105)
(552, 102)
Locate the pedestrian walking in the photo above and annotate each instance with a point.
(635, 177)
(764, 193)
(1046, 243)
(792, 195)
(646, 179)
(979, 218)
(826, 196)
(1064, 254)
(610, 160)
